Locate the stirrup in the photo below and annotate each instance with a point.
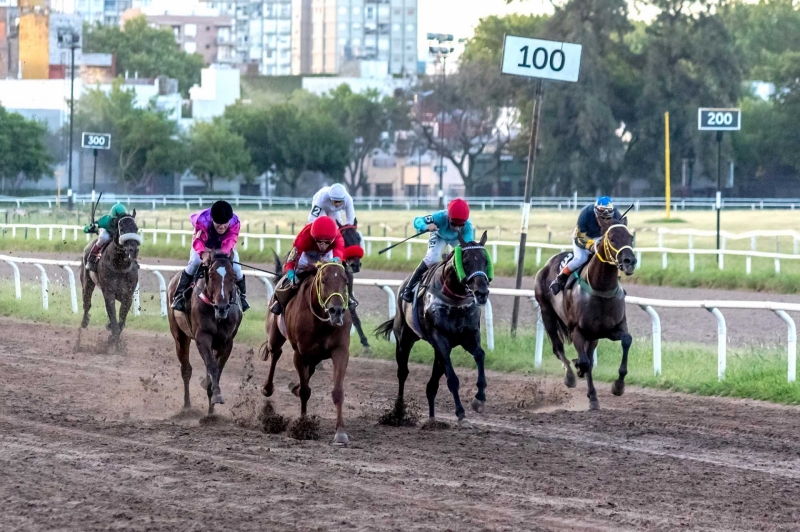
(179, 303)
(556, 287)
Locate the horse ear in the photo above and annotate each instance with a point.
(338, 224)
(355, 222)
(461, 240)
(134, 213)
(624, 221)
(484, 237)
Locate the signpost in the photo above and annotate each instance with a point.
(719, 120)
(536, 58)
(95, 142)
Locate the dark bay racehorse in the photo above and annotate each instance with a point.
(316, 322)
(212, 320)
(117, 275)
(448, 313)
(353, 254)
(593, 309)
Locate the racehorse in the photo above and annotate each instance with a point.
(117, 275)
(352, 257)
(446, 314)
(212, 319)
(593, 308)
(316, 322)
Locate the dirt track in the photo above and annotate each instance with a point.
(92, 441)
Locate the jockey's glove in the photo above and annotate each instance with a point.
(337, 260)
(291, 276)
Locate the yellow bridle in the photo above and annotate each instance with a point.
(608, 248)
(318, 285)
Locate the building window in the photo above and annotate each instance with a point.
(208, 47)
(396, 28)
(176, 30)
(410, 28)
(190, 47)
(411, 12)
(190, 30)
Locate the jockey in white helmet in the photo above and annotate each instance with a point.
(329, 201)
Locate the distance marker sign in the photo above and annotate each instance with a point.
(96, 141)
(536, 58)
(709, 119)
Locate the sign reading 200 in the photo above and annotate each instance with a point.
(719, 119)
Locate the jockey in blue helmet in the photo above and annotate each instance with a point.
(586, 232)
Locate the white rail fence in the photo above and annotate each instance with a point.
(648, 305)
(64, 232)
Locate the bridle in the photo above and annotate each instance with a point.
(124, 237)
(609, 249)
(464, 279)
(323, 303)
(202, 295)
(475, 273)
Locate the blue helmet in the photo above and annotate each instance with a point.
(604, 207)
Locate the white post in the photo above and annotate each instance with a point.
(136, 301)
(75, 234)
(392, 305)
(664, 261)
(246, 243)
(691, 262)
(722, 341)
(73, 293)
(183, 241)
(155, 236)
(51, 232)
(539, 347)
(261, 244)
(270, 288)
(45, 304)
(408, 251)
(660, 239)
(38, 233)
(17, 283)
(753, 243)
(162, 290)
(489, 320)
(777, 266)
(656, 338)
(516, 253)
(639, 258)
(169, 237)
(792, 344)
(748, 265)
(538, 256)
(721, 261)
(278, 246)
(494, 253)
(369, 248)
(388, 253)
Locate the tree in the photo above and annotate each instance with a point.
(487, 41)
(145, 142)
(23, 152)
(151, 52)
(217, 152)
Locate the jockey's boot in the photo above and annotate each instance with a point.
(179, 303)
(408, 293)
(94, 257)
(243, 294)
(558, 283)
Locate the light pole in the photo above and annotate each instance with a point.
(70, 40)
(439, 49)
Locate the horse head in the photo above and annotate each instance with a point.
(330, 284)
(352, 241)
(616, 246)
(128, 236)
(474, 268)
(220, 282)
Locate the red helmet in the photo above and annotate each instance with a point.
(324, 228)
(458, 211)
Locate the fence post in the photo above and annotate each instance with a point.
(722, 342)
(17, 283)
(539, 347)
(494, 253)
(748, 265)
(270, 288)
(792, 344)
(73, 293)
(388, 253)
(777, 266)
(656, 338)
(392, 305)
(162, 290)
(136, 301)
(489, 320)
(664, 261)
(408, 251)
(45, 303)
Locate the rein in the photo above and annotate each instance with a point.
(318, 287)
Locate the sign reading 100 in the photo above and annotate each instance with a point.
(537, 58)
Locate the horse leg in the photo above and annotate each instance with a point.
(124, 307)
(584, 363)
(111, 310)
(404, 342)
(550, 320)
(618, 388)
(361, 335)
(340, 358)
(433, 384)
(442, 349)
(88, 290)
(594, 404)
(303, 390)
(223, 354)
(274, 348)
(204, 346)
(182, 345)
(473, 347)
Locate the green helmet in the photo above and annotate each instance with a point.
(118, 210)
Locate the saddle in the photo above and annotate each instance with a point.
(285, 291)
(573, 278)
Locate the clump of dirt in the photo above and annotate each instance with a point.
(305, 428)
(540, 393)
(150, 384)
(435, 424)
(213, 419)
(402, 414)
(245, 411)
(271, 421)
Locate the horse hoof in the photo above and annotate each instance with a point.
(267, 390)
(478, 405)
(569, 380)
(366, 351)
(464, 424)
(217, 399)
(341, 439)
(295, 389)
(618, 388)
(594, 404)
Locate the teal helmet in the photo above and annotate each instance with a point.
(118, 210)
(604, 207)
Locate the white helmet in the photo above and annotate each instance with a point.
(338, 192)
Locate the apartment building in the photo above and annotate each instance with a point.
(210, 36)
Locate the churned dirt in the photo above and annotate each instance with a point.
(96, 440)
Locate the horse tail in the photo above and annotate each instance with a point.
(278, 265)
(264, 351)
(385, 329)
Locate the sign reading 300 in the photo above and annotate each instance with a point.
(96, 141)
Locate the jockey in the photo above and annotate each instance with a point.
(586, 232)
(329, 201)
(317, 241)
(216, 228)
(107, 224)
(445, 228)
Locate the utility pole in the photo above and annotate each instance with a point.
(436, 40)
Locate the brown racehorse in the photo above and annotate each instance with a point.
(593, 309)
(117, 275)
(317, 325)
(213, 319)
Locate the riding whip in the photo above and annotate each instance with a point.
(257, 269)
(626, 212)
(381, 252)
(94, 209)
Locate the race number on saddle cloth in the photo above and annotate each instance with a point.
(330, 201)
(587, 231)
(319, 241)
(104, 227)
(215, 229)
(445, 228)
